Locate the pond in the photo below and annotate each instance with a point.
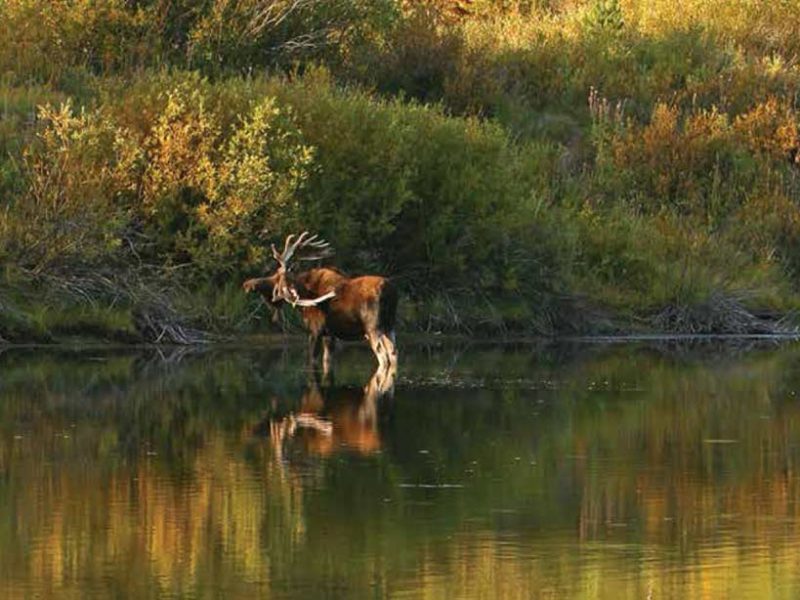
(636, 470)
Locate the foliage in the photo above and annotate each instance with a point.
(64, 213)
(450, 145)
(209, 196)
(51, 40)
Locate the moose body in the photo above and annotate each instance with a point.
(335, 306)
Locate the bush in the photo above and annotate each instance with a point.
(210, 198)
(403, 188)
(64, 214)
(44, 39)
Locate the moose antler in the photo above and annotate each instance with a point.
(295, 300)
(312, 248)
(319, 248)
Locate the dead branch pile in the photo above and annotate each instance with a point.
(155, 317)
(720, 314)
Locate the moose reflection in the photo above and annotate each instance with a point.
(332, 305)
(332, 419)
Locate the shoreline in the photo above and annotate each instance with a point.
(274, 340)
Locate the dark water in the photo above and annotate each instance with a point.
(587, 471)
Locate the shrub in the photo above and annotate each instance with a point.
(65, 212)
(404, 188)
(770, 128)
(251, 33)
(690, 163)
(211, 192)
(44, 39)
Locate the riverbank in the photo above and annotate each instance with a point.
(518, 170)
(41, 324)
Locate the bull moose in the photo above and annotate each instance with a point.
(332, 305)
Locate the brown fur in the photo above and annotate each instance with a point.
(364, 308)
(352, 415)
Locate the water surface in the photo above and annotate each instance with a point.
(587, 471)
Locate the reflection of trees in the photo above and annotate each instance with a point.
(706, 443)
(628, 450)
(145, 479)
(131, 475)
(134, 525)
(122, 470)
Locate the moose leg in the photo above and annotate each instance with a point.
(314, 347)
(328, 346)
(389, 346)
(374, 339)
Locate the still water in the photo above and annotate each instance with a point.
(582, 471)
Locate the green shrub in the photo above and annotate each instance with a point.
(405, 188)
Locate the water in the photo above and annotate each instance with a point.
(588, 471)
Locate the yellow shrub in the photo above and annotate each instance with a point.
(43, 38)
(673, 161)
(181, 150)
(769, 128)
(79, 164)
(254, 192)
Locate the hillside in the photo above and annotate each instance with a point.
(520, 167)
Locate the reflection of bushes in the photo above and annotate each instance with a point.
(134, 471)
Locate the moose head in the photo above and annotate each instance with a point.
(305, 248)
(281, 286)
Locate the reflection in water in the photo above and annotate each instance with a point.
(601, 473)
(334, 418)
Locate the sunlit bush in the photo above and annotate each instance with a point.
(43, 39)
(770, 128)
(690, 163)
(212, 194)
(65, 212)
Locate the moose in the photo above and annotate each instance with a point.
(332, 305)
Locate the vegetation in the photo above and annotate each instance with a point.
(519, 167)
